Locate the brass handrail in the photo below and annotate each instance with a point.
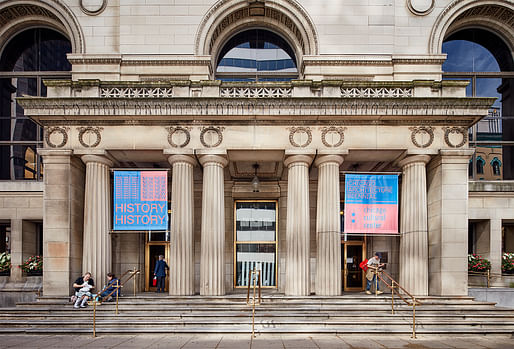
(119, 284)
(255, 281)
(487, 274)
(395, 285)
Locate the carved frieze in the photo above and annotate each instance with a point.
(136, 92)
(332, 136)
(422, 136)
(300, 137)
(256, 92)
(90, 136)
(178, 137)
(12, 12)
(211, 136)
(460, 138)
(56, 137)
(376, 92)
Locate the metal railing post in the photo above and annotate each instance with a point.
(117, 292)
(413, 318)
(392, 298)
(135, 274)
(488, 277)
(376, 282)
(94, 317)
(254, 275)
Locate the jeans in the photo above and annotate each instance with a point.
(371, 282)
(160, 283)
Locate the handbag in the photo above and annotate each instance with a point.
(154, 281)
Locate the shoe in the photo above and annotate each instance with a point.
(83, 306)
(380, 292)
(76, 306)
(368, 292)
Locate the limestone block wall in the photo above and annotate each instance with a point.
(129, 253)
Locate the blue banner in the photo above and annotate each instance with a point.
(371, 204)
(140, 200)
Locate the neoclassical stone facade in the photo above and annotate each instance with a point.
(367, 95)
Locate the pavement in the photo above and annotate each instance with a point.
(261, 341)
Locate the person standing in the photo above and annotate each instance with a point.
(373, 265)
(160, 273)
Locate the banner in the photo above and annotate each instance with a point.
(371, 204)
(140, 200)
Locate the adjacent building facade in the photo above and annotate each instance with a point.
(257, 109)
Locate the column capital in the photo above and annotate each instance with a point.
(97, 158)
(301, 158)
(178, 158)
(55, 156)
(213, 158)
(95, 155)
(325, 158)
(414, 158)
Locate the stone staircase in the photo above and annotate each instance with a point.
(351, 313)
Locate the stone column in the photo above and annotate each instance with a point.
(63, 199)
(328, 265)
(97, 251)
(413, 226)
(297, 226)
(16, 249)
(447, 183)
(182, 267)
(212, 260)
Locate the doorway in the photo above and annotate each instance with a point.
(152, 252)
(352, 254)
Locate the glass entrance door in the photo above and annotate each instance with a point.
(152, 252)
(352, 254)
(255, 243)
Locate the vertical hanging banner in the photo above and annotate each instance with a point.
(371, 204)
(140, 200)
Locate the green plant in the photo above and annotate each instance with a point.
(511, 285)
(5, 261)
(508, 262)
(477, 263)
(33, 263)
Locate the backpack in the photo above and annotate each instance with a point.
(364, 265)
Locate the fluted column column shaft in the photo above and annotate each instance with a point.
(182, 239)
(414, 226)
(297, 227)
(212, 263)
(328, 266)
(96, 256)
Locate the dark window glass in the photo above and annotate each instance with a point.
(480, 166)
(254, 55)
(42, 53)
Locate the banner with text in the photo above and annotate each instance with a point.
(371, 204)
(140, 200)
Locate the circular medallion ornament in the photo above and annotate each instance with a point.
(89, 136)
(211, 136)
(56, 137)
(178, 137)
(300, 137)
(455, 137)
(93, 7)
(420, 7)
(422, 136)
(332, 136)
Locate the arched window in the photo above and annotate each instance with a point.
(256, 55)
(27, 59)
(482, 58)
(480, 165)
(496, 164)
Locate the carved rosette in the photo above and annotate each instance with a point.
(419, 136)
(92, 7)
(211, 136)
(178, 137)
(56, 137)
(452, 135)
(90, 136)
(332, 136)
(300, 137)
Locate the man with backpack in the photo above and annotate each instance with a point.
(373, 266)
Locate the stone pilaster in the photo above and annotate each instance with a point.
(328, 265)
(96, 255)
(414, 226)
(297, 226)
(182, 239)
(447, 183)
(212, 260)
(63, 200)
(16, 249)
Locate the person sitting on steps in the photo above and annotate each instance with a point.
(111, 282)
(373, 265)
(83, 286)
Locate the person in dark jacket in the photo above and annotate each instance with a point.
(111, 282)
(160, 273)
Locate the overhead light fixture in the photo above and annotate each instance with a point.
(255, 181)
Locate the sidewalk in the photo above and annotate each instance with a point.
(265, 341)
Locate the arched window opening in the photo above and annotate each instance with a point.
(256, 55)
(482, 58)
(480, 165)
(496, 164)
(28, 58)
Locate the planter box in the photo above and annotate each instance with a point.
(5, 273)
(35, 273)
